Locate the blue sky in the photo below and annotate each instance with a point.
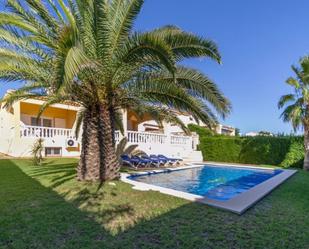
(259, 40)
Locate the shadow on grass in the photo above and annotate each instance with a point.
(59, 174)
(35, 216)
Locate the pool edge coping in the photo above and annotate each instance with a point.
(239, 204)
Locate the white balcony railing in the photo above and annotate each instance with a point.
(145, 137)
(183, 140)
(134, 137)
(117, 136)
(45, 132)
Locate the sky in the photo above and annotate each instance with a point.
(258, 40)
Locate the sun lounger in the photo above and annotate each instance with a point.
(132, 162)
(143, 161)
(161, 160)
(171, 160)
(154, 161)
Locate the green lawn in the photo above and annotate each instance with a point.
(44, 207)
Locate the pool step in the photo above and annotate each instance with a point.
(195, 156)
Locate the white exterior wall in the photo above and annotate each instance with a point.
(142, 126)
(17, 137)
(11, 142)
(186, 119)
(7, 132)
(225, 130)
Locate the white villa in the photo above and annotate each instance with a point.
(225, 130)
(20, 128)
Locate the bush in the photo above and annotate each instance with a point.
(295, 155)
(264, 150)
(222, 149)
(285, 151)
(202, 131)
(37, 151)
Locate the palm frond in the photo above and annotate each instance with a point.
(294, 114)
(118, 122)
(196, 84)
(10, 98)
(122, 15)
(51, 100)
(130, 149)
(297, 112)
(43, 13)
(285, 99)
(121, 147)
(16, 21)
(293, 82)
(187, 45)
(68, 14)
(172, 96)
(56, 10)
(142, 47)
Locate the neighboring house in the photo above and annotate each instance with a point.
(252, 134)
(20, 128)
(225, 130)
(219, 129)
(260, 133)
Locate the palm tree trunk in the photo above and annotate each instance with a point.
(110, 161)
(306, 143)
(98, 157)
(90, 160)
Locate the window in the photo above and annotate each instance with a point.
(41, 122)
(47, 122)
(51, 151)
(35, 121)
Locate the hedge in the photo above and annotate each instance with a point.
(286, 151)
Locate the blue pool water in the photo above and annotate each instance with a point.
(215, 182)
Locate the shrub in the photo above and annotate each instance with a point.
(285, 151)
(296, 153)
(202, 131)
(223, 149)
(37, 150)
(264, 150)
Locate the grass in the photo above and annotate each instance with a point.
(45, 207)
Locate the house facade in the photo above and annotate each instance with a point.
(225, 130)
(20, 129)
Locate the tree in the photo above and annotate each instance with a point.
(88, 52)
(297, 104)
(265, 133)
(237, 132)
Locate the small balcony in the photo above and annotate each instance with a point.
(45, 132)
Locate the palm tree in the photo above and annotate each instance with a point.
(86, 51)
(297, 104)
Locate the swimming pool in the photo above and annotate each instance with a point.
(215, 182)
(231, 187)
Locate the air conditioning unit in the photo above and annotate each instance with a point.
(71, 142)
